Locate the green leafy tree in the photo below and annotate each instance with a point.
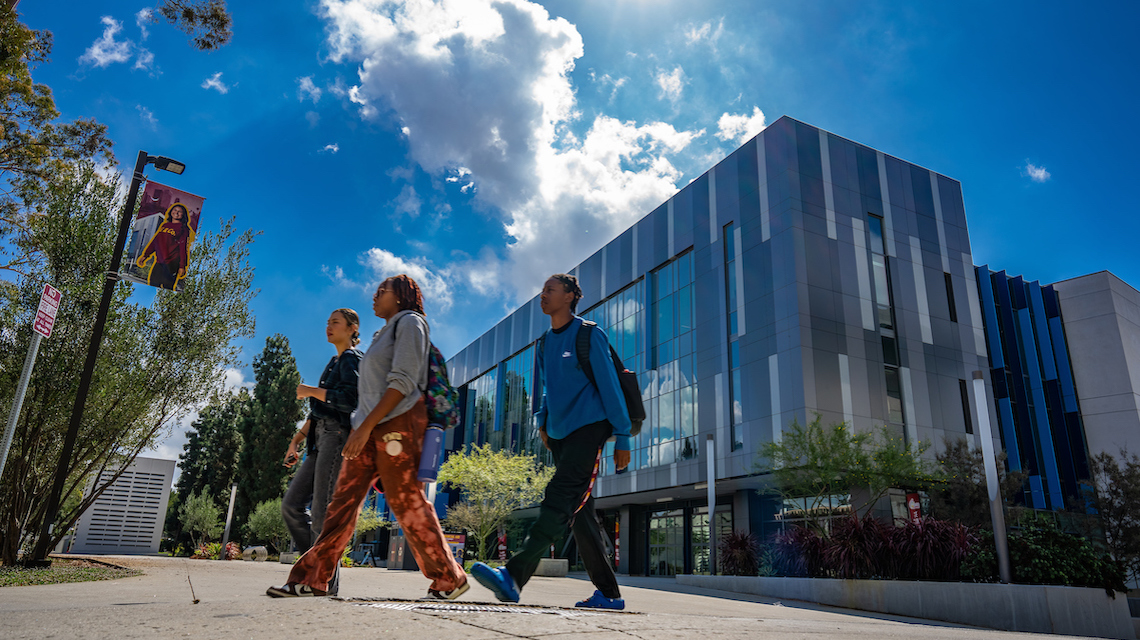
(172, 525)
(33, 145)
(267, 526)
(494, 485)
(210, 455)
(1117, 483)
(812, 463)
(162, 354)
(272, 422)
(960, 493)
(201, 517)
(206, 21)
(370, 519)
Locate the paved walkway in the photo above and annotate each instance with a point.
(232, 604)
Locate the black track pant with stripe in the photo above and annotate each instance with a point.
(569, 501)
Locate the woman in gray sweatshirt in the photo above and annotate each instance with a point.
(385, 444)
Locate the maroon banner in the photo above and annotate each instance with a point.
(162, 237)
(914, 507)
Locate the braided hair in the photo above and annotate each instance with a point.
(407, 293)
(570, 283)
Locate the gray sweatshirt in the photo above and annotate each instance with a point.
(398, 361)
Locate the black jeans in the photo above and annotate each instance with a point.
(574, 457)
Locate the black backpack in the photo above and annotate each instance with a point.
(626, 378)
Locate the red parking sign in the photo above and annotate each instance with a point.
(45, 315)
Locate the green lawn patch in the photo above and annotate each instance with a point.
(62, 571)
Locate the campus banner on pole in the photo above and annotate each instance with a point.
(162, 236)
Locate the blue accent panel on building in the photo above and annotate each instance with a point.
(1064, 371)
(1033, 385)
(1009, 434)
(1042, 433)
(1036, 493)
(989, 316)
(1041, 328)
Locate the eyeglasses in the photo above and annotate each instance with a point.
(379, 292)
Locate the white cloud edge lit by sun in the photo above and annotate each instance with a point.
(307, 90)
(671, 83)
(106, 50)
(1036, 173)
(378, 264)
(142, 19)
(739, 128)
(705, 33)
(215, 82)
(516, 137)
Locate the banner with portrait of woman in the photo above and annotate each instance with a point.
(162, 237)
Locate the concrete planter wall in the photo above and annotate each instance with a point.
(1010, 607)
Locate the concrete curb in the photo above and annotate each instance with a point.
(1009, 607)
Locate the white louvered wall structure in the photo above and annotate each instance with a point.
(128, 517)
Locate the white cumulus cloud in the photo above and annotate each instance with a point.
(215, 82)
(106, 50)
(307, 90)
(144, 60)
(1036, 173)
(434, 283)
(706, 32)
(408, 203)
(142, 20)
(485, 85)
(331, 148)
(147, 116)
(740, 127)
(671, 83)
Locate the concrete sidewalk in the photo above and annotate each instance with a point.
(233, 605)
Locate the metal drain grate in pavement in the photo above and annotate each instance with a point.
(449, 607)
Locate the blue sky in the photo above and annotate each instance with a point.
(480, 146)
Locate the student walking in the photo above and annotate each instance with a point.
(324, 433)
(575, 420)
(389, 425)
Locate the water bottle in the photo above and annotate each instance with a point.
(432, 453)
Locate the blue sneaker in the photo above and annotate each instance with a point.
(598, 601)
(497, 580)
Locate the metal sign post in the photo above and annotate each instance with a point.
(711, 457)
(45, 319)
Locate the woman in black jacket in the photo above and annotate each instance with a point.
(325, 432)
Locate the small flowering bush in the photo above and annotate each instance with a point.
(213, 551)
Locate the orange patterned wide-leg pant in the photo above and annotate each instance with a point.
(392, 455)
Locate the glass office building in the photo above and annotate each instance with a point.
(805, 273)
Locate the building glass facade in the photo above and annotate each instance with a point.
(804, 273)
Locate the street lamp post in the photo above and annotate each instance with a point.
(993, 487)
(40, 554)
(229, 519)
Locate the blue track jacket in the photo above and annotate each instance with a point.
(569, 401)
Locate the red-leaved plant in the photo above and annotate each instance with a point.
(867, 548)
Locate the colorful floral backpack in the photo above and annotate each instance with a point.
(440, 398)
